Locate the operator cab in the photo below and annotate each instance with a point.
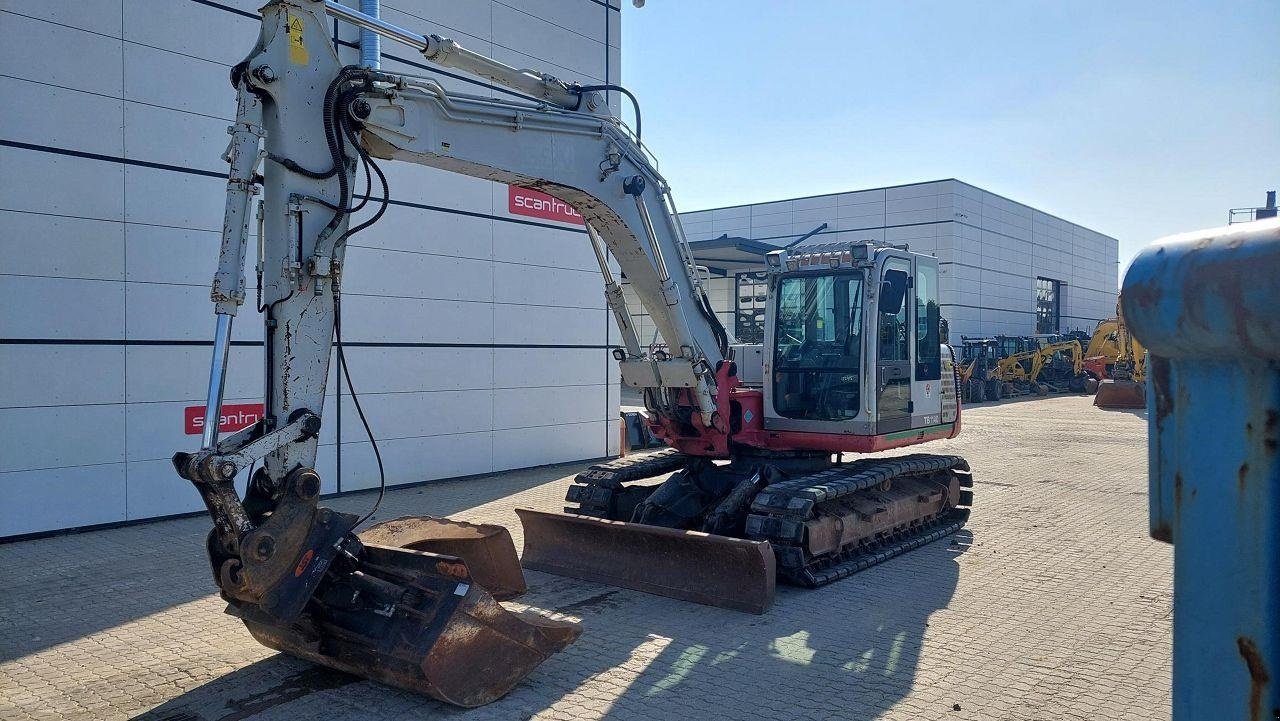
(852, 340)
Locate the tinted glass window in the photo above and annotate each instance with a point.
(929, 344)
(818, 347)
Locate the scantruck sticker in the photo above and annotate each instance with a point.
(536, 204)
(235, 416)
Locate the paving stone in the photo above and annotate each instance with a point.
(1052, 604)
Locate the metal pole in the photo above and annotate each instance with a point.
(370, 41)
(217, 378)
(365, 22)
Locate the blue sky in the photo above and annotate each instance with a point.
(1136, 119)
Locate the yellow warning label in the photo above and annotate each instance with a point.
(297, 49)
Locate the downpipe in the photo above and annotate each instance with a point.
(370, 41)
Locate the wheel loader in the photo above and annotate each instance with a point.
(751, 488)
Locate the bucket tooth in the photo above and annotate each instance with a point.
(689, 565)
(432, 630)
(488, 550)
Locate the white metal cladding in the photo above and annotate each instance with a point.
(990, 249)
(480, 336)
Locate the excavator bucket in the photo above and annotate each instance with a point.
(487, 550)
(1121, 394)
(447, 638)
(692, 566)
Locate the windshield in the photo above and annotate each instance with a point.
(818, 347)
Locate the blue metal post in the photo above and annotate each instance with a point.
(370, 42)
(1207, 307)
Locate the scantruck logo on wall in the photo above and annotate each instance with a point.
(536, 204)
(235, 416)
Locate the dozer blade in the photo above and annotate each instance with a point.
(692, 566)
(439, 633)
(1121, 394)
(487, 550)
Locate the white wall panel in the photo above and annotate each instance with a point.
(60, 308)
(188, 28)
(60, 185)
(61, 436)
(180, 373)
(174, 256)
(516, 448)
(34, 501)
(411, 460)
(533, 37)
(60, 246)
(426, 231)
(528, 407)
(397, 370)
(175, 137)
(59, 375)
(169, 80)
(179, 200)
(533, 324)
(535, 245)
(419, 414)
(93, 65)
(535, 367)
(535, 285)
(417, 275)
(43, 114)
(368, 318)
(153, 488)
(102, 18)
(472, 18)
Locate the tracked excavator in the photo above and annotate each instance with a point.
(752, 487)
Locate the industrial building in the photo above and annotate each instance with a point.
(111, 205)
(112, 202)
(1004, 267)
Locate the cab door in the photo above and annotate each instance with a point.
(894, 347)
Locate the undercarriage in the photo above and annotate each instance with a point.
(706, 525)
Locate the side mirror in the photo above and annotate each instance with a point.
(893, 291)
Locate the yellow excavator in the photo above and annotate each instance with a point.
(1050, 367)
(1123, 384)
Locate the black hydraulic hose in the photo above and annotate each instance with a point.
(717, 328)
(355, 399)
(635, 104)
(368, 164)
(291, 165)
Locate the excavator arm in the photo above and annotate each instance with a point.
(296, 573)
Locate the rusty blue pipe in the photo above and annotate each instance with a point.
(1207, 307)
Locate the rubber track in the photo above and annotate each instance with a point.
(594, 489)
(779, 513)
(796, 497)
(846, 564)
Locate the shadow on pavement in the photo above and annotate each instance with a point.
(848, 650)
(67, 587)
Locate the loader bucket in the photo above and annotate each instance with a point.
(692, 566)
(453, 642)
(1121, 394)
(487, 550)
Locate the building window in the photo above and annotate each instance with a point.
(748, 325)
(1048, 305)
